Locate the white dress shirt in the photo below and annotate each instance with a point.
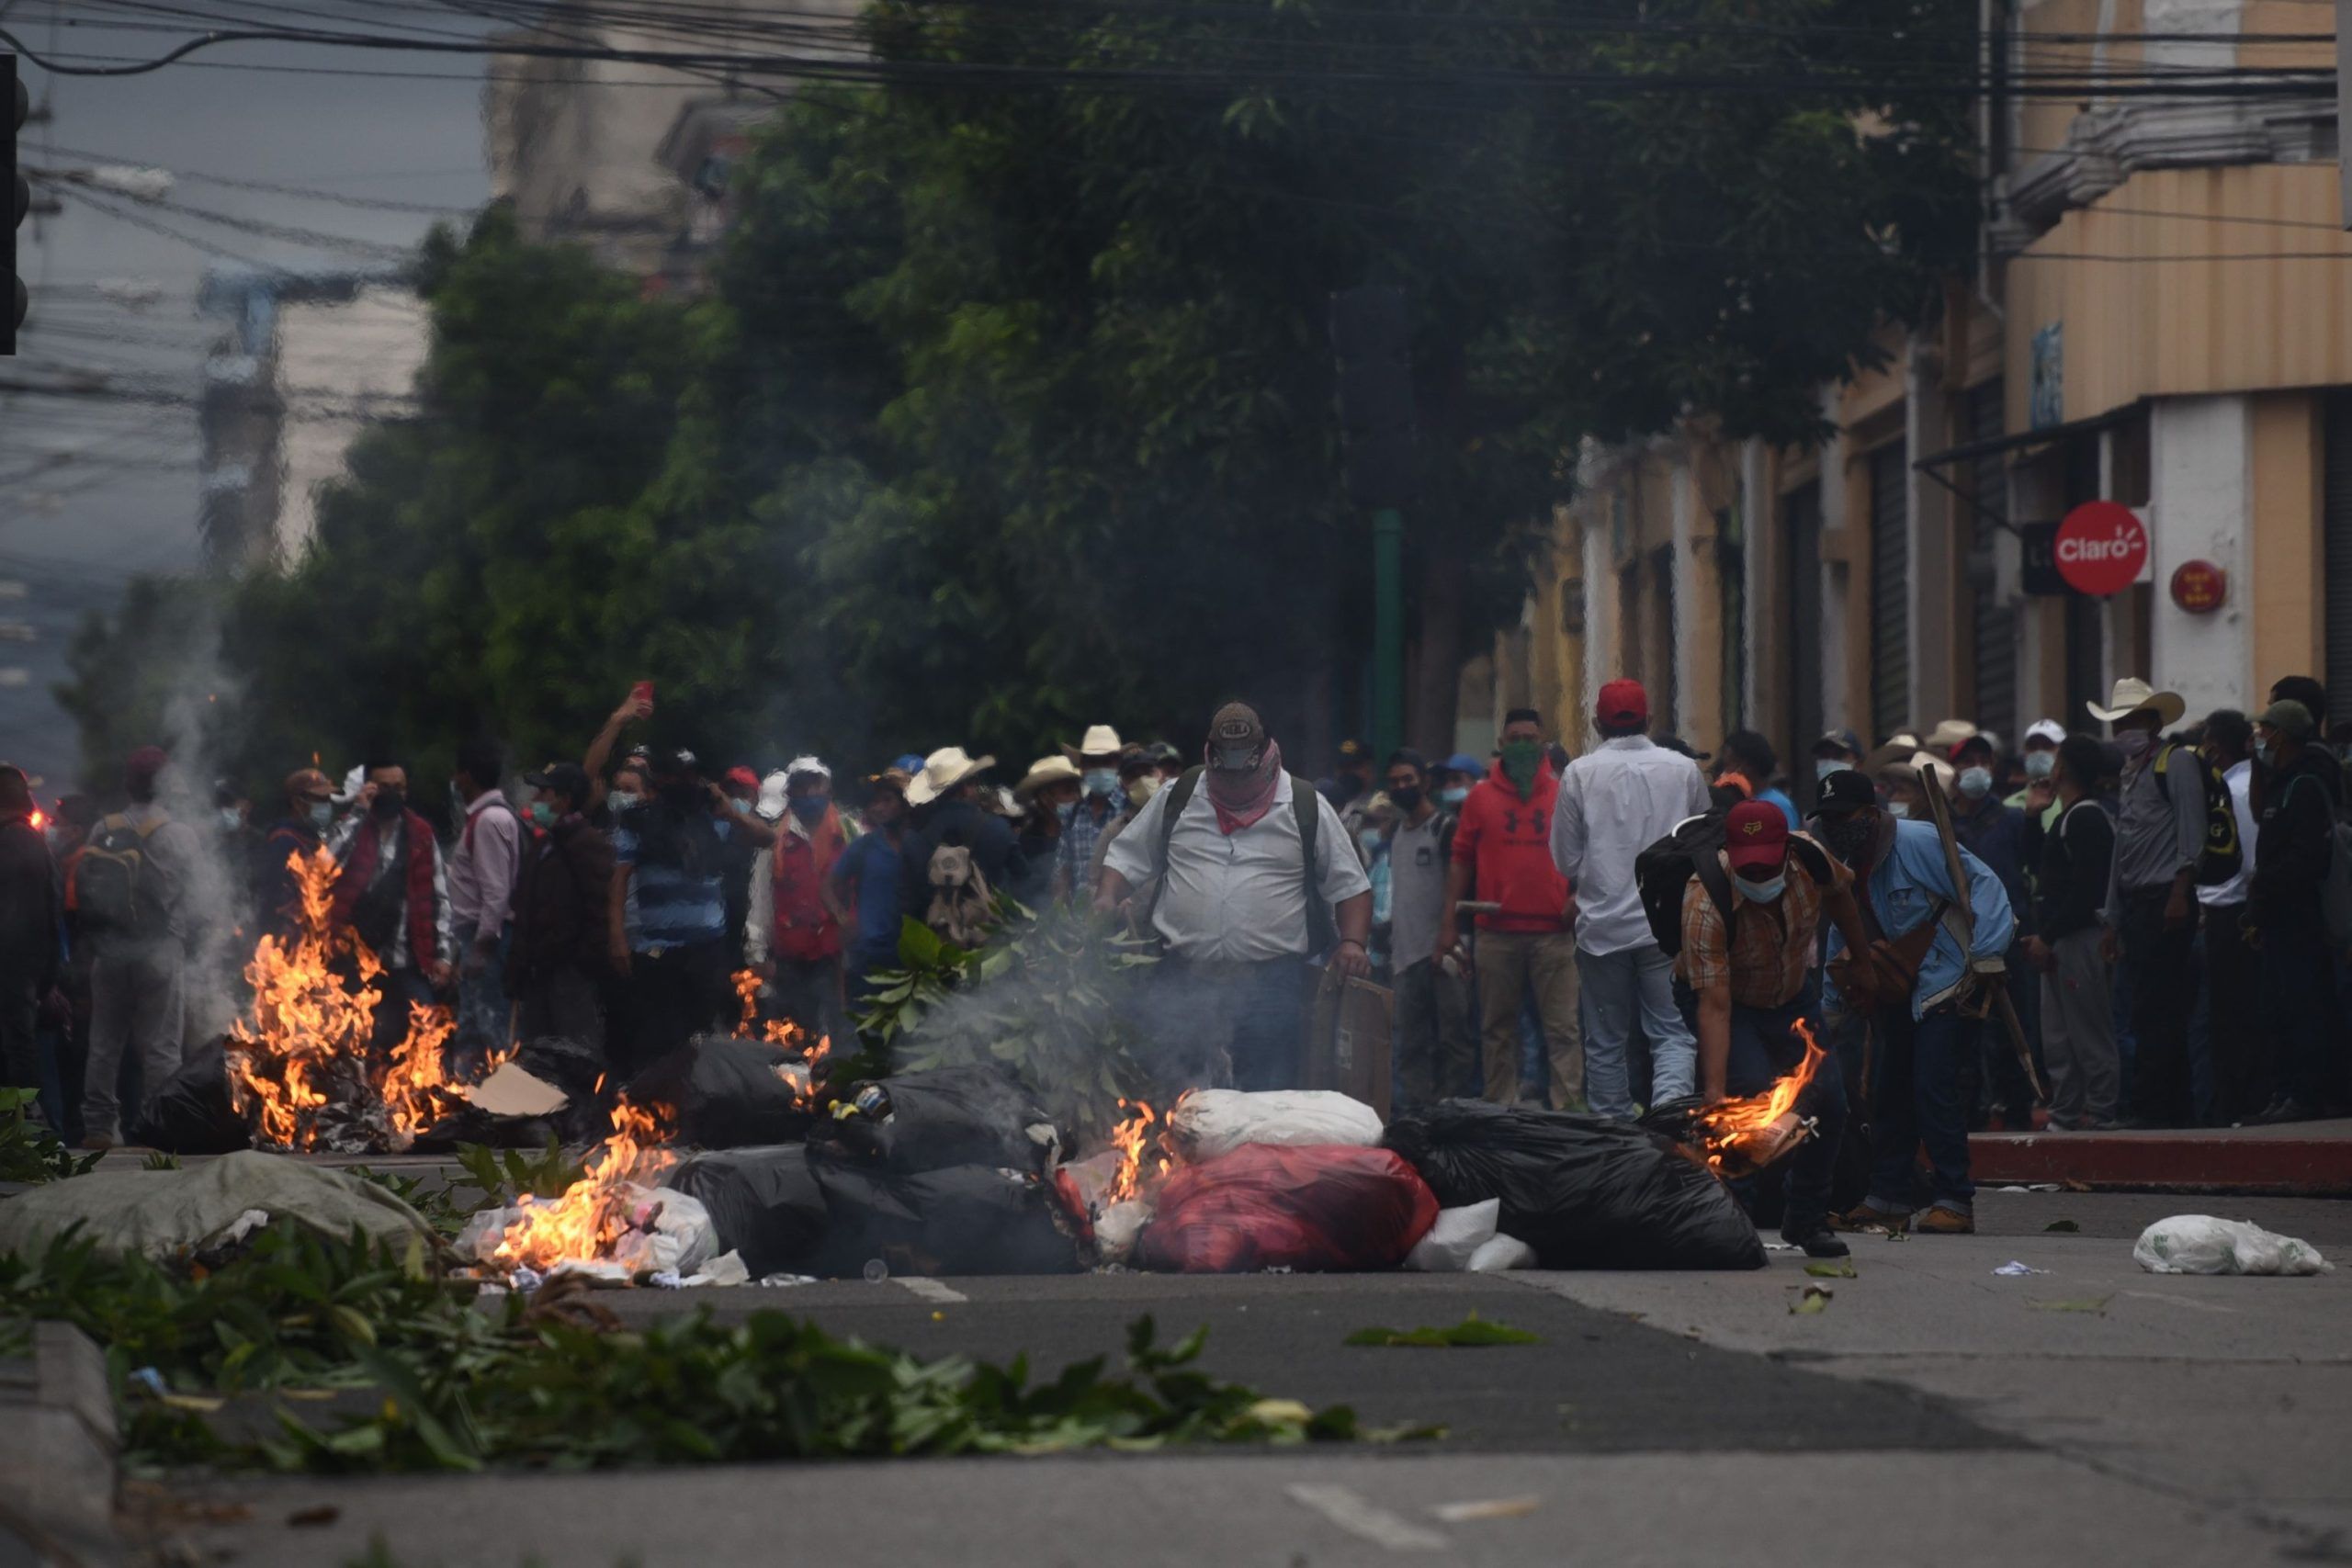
(1614, 803)
(1235, 897)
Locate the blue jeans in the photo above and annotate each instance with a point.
(485, 1018)
(1634, 984)
(1218, 1023)
(1915, 1100)
(1764, 1046)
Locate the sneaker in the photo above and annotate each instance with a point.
(1864, 1220)
(2285, 1110)
(1817, 1239)
(1941, 1220)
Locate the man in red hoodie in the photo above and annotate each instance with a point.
(1502, 857)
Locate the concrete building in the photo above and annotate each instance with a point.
(2163, 319)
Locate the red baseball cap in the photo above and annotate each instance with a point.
(1622, 702)
(742, 778)
(1756, 833)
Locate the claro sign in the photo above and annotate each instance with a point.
(2101, 548)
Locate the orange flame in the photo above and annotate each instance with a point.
(1129, 1138)
(1741, 1134)
(593, 1211)
(780, 1032)
(305, 1044)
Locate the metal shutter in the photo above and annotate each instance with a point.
(1890, 591)
(2337, 524)
(1996, 622)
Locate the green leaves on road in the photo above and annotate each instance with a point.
(1471, 1331)
(30, 1152)
(2061, 1225)
(1839, 1268)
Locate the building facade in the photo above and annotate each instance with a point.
(2163, 318)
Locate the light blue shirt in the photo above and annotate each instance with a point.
(1903, 891)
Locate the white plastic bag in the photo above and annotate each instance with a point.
(2199, 1244)
(1115, 1231)
(676, 1235)
(1212, 1121)
(1501, 1252)
(1455, 1238)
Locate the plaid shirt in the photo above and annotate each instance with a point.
(1771, 946)
(1075, 855)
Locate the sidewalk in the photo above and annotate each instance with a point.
(2311, 1158)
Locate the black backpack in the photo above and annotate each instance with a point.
(113, 885)
(2223, 856)
(1662, 873)
(1322, 930)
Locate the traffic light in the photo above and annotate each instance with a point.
(1373, 345)
(20, 201)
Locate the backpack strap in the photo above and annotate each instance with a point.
(1709, 870)
(1307, 806)
(1180, 795)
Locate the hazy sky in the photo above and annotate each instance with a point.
(93, 491)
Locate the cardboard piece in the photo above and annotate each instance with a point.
(511, 1091)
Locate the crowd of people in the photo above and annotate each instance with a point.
(2118, 929)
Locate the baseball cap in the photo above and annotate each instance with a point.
(1844, 741)
(1622, 702)
(1161, 752)
(911, 765)
(1754, 833)
(567, 779)
(2047, 730)
(1846, 790)
(742, 778)
(308, 784)
(1462, 763)
(1238, 729)
(1354, 751)
(146, 763)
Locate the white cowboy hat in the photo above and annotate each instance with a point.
(2135, 695)
(1948, 734)
(1100, 740)
(942, 771)
(1929, 762)
(1045, 771)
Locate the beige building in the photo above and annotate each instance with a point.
(2163, 319)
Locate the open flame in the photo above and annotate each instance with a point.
(1130, 1138)
(594, 1212)
(1741, 1136)
(782, 1033)
(299, 1064)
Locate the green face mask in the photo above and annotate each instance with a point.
(1520, 760)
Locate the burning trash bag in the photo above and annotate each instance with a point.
(194, 1114)
(723, 1093)
(1210, 1123)
(967, 1219)
(937, 1120)
(651, 1230)
(763, 1202)
(1584, 1191)
(1325, 1208)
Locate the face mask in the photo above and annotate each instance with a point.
(1370, 840)
(1456, 795)
(1848, 838)
(1825, 766)
(1898, 808)
(1102, 782)
(390, 804)
(232, 818)
(321, 814)
(1976, 782)
(542, 814)
(623, 800)
(1520, 760)
(1233, 759)
(1760, 892)
(1408, 799)
(2263, 752)
(2133, 744)
(810, 808)
(1139, 793)
(2040, 764)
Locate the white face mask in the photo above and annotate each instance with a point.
(232, 818)
(1898, 808)
(2134, 743)
(1976, 782)
(321, 814)
(1825, 766)
(2039, 764)
(1760, 892)
(623, 800)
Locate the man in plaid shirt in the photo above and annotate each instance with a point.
(1754, 978)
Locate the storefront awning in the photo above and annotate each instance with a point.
(2048, 434)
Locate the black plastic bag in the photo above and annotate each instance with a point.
(193, 1115)
(571, 1065)
(933, 1120)
(472, 1124)
(763, 1202)
(722, 1093)
(965, 1219)
(1584, 1191)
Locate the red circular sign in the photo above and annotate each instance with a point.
(2199, 586)
(2101, 548)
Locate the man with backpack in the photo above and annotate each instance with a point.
(129, 897)
(1256, 876)
(2302, 797)
(2074, 854)
(2151, 914)
(956, 894)
(1752, 918)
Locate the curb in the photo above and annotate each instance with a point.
(57, 1491)
(2310, 1167)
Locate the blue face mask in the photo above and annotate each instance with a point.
(542, 814)
(321, 814)
(1102, 782)
(1760, 892)
(1976, 782)
(810, 808)
(2040, 764)
(1456, 795)
(1825, 766)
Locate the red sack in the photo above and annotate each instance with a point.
(1320, 1207)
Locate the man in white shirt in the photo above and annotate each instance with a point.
(481, 900)
(1242, 906)
(1614, 801)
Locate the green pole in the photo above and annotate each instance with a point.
(1388, 632)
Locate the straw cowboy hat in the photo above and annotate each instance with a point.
(1100, 740)
(1948, 735)
(1045, 771)
(942, 771)
(2135, 695)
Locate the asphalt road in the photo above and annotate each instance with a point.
(1934, 1413)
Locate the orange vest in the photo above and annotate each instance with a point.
(804, 927)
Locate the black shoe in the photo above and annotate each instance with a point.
(1817, 1239)
(2285, 1110)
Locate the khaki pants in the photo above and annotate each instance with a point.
(135, 1006)
(1510, 964)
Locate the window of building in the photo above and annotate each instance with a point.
(1889, 589)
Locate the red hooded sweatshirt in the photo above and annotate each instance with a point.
(1507, 842)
